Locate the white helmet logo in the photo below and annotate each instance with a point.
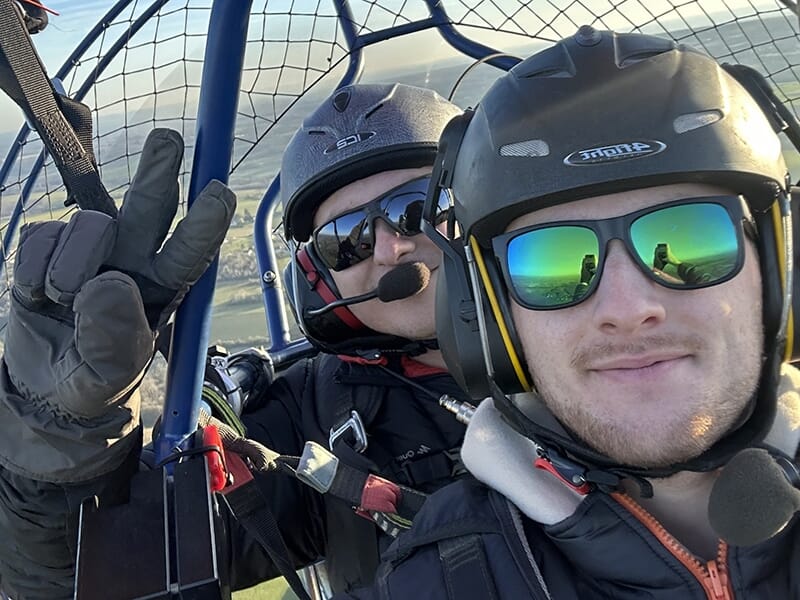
(614, 153)
(349, 140)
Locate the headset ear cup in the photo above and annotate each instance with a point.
(768, 256)
(457, 326)
(793, 333)
(459, 335)
(508, 360)
(315, 288)
(289, 272)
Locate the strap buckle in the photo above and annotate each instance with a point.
(355, 426)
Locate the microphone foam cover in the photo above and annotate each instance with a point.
(752, 499)
(405, 280)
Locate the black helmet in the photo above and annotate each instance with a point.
(361, 130)
(599, 113)
(545, 130)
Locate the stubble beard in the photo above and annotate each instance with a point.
(642, 443)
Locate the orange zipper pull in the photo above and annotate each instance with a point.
(718, 581)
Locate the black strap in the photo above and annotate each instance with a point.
(348, 485)
(344, 404)
(437, 466)
(250, 508)
(23, 78)
(466, 571)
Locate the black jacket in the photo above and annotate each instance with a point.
(470, 543)
(408, 433)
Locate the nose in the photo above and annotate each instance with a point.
(390, 246)
(626, 301)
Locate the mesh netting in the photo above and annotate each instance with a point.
(296, 54)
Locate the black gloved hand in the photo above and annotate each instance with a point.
(261, 458)
(87, 298)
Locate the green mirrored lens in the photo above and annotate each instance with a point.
(688, 244)
(552, 266)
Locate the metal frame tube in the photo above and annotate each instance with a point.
(216, 121)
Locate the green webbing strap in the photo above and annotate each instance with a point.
(23, 78)
(223, 411)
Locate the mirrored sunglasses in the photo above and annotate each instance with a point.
(687, 244)
(349, 238)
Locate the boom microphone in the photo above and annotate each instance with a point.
(753, 499)
(404, 281)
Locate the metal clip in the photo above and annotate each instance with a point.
(356, 426)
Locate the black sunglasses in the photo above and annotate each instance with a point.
(349, 238)
(686, 244)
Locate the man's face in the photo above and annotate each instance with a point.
(642, 373)
(412, 317)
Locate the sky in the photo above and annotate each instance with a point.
(77, 17)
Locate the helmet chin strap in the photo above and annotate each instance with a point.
(578, 464)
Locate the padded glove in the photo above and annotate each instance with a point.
(260, 457)
(87, 299)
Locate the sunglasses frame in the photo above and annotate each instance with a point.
(619, 228)
(373, 210)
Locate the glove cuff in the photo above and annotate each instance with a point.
(38, 442)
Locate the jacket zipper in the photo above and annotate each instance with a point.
(713, 575)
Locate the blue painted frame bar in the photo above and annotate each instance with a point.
(282, 348)
(215, 129)
(216, 121)
(463, 44)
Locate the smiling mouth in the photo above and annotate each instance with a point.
(637, 361)
(631, 364)
(641, 369)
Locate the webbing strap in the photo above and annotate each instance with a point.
(250, 508)
(466, 571)
(23, 78)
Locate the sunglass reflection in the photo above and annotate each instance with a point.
(686, 244)
(349, 238)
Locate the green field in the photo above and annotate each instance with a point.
(271, 590)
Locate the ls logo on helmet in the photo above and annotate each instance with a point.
(349, 140)
(614, 152)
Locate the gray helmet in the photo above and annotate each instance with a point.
(357, 132)
(595, 114)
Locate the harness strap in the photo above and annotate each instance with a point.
(348, 436)
(249, 507)
(391, 505)
(350, 421)
(433, 467)
(23, 78)
(466, 571)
